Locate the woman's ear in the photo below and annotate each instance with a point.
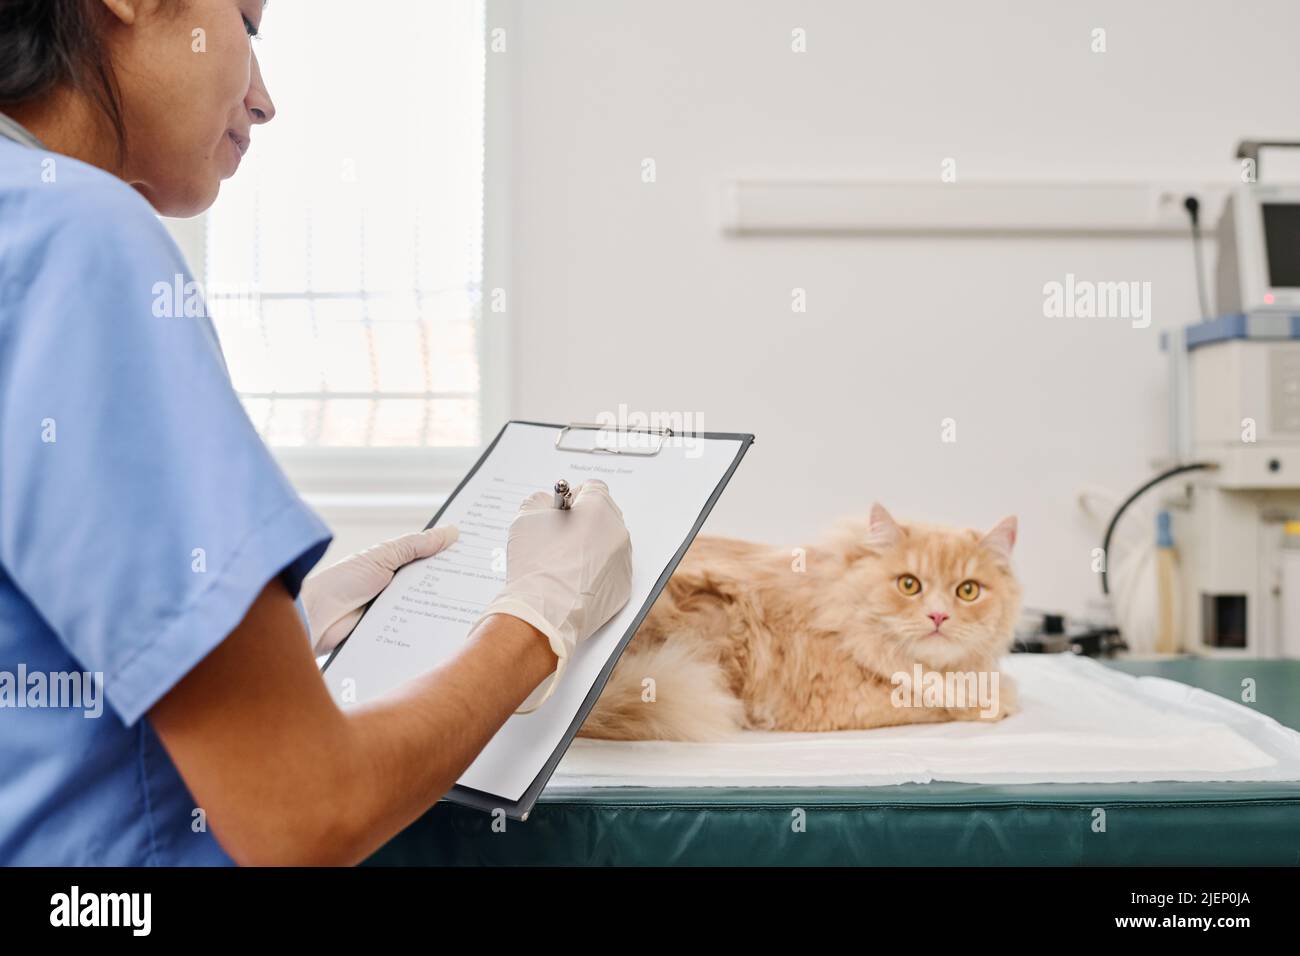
(882, 530)
(124, 10)
(1001, 539)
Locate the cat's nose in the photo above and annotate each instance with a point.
(938, 617)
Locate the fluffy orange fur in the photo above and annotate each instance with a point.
(747, 636)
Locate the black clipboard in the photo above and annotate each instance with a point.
(521, 808)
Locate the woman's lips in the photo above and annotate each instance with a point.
(238, 145)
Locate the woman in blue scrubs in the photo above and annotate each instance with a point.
(159, 699)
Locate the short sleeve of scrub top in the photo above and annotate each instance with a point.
(140, 513)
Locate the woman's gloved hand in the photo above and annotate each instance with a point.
(567, 572)
(336, 597)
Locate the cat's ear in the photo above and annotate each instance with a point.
(882, 530)
(1001, 539)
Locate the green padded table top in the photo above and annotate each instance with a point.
(934, 824)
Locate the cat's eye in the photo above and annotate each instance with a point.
(909, 585)
(968, 590)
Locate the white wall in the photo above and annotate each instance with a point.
(625, 292)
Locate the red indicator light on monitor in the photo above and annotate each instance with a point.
(1268, 298)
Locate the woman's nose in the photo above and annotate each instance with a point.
(258, 100)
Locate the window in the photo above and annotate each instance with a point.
(344, 261)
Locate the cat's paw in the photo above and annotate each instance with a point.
(1004, 703)
(1008, 697)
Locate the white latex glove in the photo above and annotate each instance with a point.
(567, 572)
(336, 597)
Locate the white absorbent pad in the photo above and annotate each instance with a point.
(1080, 722)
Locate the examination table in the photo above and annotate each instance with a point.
(929, 824)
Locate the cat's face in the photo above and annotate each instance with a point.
(938, 596)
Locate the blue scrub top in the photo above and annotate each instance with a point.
(140, 516)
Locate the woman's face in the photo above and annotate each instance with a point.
(191, 93)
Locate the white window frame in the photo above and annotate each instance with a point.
(358, 476)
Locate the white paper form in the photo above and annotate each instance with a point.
(424, 616)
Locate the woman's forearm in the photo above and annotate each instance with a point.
(417, 741)
(284, 776)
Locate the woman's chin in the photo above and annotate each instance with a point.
(181, 200)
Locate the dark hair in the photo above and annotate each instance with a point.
(45, 44)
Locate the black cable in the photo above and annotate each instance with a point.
(1193, 207)
(1110, 528)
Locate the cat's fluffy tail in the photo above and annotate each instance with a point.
(688, 699)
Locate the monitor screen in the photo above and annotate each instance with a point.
(1282, 243)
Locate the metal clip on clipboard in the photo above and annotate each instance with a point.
(597, 449)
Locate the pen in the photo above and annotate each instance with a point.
(563, 495)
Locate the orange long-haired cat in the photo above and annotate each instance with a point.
(747, 636)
